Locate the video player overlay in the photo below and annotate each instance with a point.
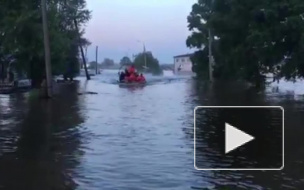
(239, 138)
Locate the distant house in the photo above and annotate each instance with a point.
(182, 64)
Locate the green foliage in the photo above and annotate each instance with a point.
(125, 61)
(254, 37)
(22, 36)
(200, 63)
(151, 63)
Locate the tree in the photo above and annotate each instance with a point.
(253, 37)
(107, 62)
(152, 63)
(125, 61)
(21, 36)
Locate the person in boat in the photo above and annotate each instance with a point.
(136, 75)
(122, 76)
(132, 77)
(141, 78)
(127, 75)
(131, 69)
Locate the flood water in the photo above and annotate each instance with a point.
(132, 138)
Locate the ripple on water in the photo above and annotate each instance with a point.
(134, 139)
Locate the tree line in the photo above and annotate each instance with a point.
(107, 62)
(143, 62)
(21, 37)
(251, 38)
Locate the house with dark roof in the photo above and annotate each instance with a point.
(182, 64)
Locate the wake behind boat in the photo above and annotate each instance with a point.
(132, 84)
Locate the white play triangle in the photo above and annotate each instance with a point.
(235, 138)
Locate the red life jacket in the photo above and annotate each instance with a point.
(132, 78)
(138, 79)
(141, 79)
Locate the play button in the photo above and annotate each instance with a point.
(235, 138)
(238, 138)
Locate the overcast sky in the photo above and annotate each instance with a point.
(117, 25)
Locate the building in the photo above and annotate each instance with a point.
(182, 64)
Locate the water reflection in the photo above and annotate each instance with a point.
(36, 149)
(123, 138)
(132, 88)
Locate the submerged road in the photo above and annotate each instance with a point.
(131, 138)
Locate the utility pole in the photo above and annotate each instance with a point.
(145, 56)
(127, 52)
(144, 52)
(47, 56)
(210, 56)
(96, 60)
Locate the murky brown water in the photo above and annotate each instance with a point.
(131, 138)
